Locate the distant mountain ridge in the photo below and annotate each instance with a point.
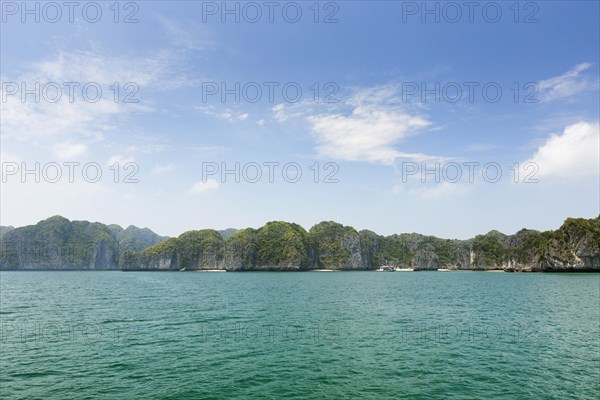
(57, 243)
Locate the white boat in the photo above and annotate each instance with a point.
(405, 269)
(211, 270)
(443, 269)
(386, 268)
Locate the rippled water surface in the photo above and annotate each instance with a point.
(313, 335)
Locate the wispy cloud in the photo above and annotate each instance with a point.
(228, 114)
(200, 187)
(74, 118)
(567, 85)
(163, 168)
(190, 36)
(370, 128)
(121, 159)
(279, 113)
(69, 149)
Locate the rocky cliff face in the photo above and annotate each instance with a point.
(575, 246)
(163, 257)
(288, 247)
(241, 251)
(277, 246)
(338, 247)
(193, 250)
(57, 243)
(5, 229)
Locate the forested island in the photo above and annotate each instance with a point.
(59, 244)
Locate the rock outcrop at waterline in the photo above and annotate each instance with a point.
(57, 243)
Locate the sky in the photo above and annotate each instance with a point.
(440, 118)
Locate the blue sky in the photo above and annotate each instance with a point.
(364, 114)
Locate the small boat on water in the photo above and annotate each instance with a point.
(391, 268)
(443, 269)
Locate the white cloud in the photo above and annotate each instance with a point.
(52, 120)
(148, 148)
(9, 157)
(376, 123)
(161, 169)
(572, 154)
(41, 122)
(566, 85)
(280, 114)
(260, 122)
(69, 149)
(199, 187)
(286, 112)
(122, 160)
(227, 115)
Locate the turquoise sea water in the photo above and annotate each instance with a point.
(312, 335)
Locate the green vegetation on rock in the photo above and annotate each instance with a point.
(57, 243)
(134, 238)
(5, 229)
(337, 246)
(227, 233)
(200, 249)
(282, 244)
(241, 250)
(489, 250)
(395, 250)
